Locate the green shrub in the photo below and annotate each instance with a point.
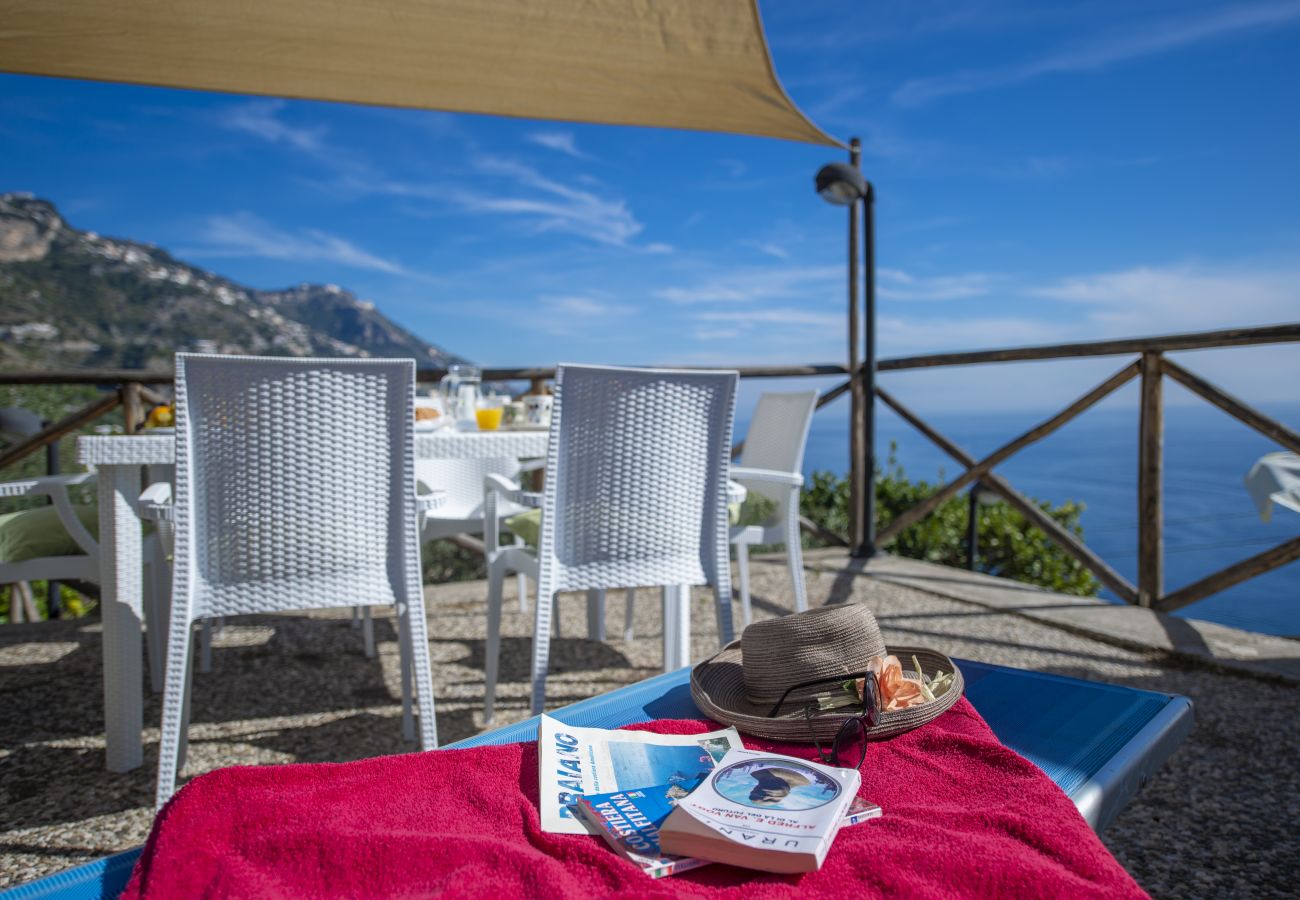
(1008, 545)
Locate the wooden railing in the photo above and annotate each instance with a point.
(130, 391)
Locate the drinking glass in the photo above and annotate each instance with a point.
(488, 413)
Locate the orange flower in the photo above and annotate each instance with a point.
(897, 691)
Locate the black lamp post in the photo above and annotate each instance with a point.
(843, 185)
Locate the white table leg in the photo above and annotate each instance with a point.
(121, 583)
(677, 626)
(595, 615)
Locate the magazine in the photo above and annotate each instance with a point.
(576, 761)
(763, 811)
(630, 820)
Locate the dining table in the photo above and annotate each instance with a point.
(120, 461)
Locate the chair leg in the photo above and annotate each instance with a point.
(629, 601)
(542, 611)
(742, 569)
(794, 552)
(595, 615)
(404, 668)
(356, 617)
(492, 652)
(18, 602)
(418, 651)
(183, 741)
(555, 613)
(205, 646)
(521, 583)
(174, 712)
(677, 626)
(368, 632)
(153, 624)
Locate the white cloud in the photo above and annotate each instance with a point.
(786, 316)
(261, 119)
(582, 306)
(559, 141)
(760, 283)
(246, 235)
(1159, 37)
(735, 167)
(895, 284)
(1155, 299)
(549, 205)
(776, 251)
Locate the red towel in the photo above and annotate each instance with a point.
(964, 817)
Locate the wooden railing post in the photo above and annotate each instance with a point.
(1151, 441)
(132, 411)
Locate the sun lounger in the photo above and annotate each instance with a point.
(1099, 742)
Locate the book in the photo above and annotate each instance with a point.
(577, 761)
(629, 821)
(762, 811)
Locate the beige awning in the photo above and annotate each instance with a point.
(696, 64)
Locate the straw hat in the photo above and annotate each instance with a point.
(740, 685)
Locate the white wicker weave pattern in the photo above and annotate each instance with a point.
(295, 489)
(636, 492)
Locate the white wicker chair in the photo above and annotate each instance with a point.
(295, 489)
(636, 495)
(771, 465)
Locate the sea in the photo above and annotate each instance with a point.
(1210, 520)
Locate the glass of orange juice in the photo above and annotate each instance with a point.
(488, 412)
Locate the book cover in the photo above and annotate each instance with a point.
(764, 811)
(575, 761)
(630, 821)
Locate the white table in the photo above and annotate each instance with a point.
(119, 459)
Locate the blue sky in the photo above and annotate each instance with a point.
(1045, 172)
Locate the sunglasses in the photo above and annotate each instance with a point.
(849, 748)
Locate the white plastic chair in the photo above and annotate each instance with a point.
(295, 490)
(82, 563)
(83, 566)
(636, 494)
(771, 465)
(463, 512)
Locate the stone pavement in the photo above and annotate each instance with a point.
(1219, 818)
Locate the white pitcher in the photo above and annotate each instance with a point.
(460, 389)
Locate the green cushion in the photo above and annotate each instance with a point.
(37, 533)
(527, 525)
(756, 510)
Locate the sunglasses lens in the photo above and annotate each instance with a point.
(850, 748)
(871, 702)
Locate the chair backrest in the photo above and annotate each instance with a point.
(462, 481)
(295, 484)
(636, 485)
(779, 431)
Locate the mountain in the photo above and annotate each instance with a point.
(74, 299)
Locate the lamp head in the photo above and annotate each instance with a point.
(841, 184)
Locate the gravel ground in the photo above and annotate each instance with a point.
(1218, 820)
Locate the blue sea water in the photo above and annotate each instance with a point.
(637, 765)
(1210, 520)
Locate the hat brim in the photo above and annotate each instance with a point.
(718, 689)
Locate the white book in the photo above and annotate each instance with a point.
(762, 811)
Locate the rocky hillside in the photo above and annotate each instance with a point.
(72, 299)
